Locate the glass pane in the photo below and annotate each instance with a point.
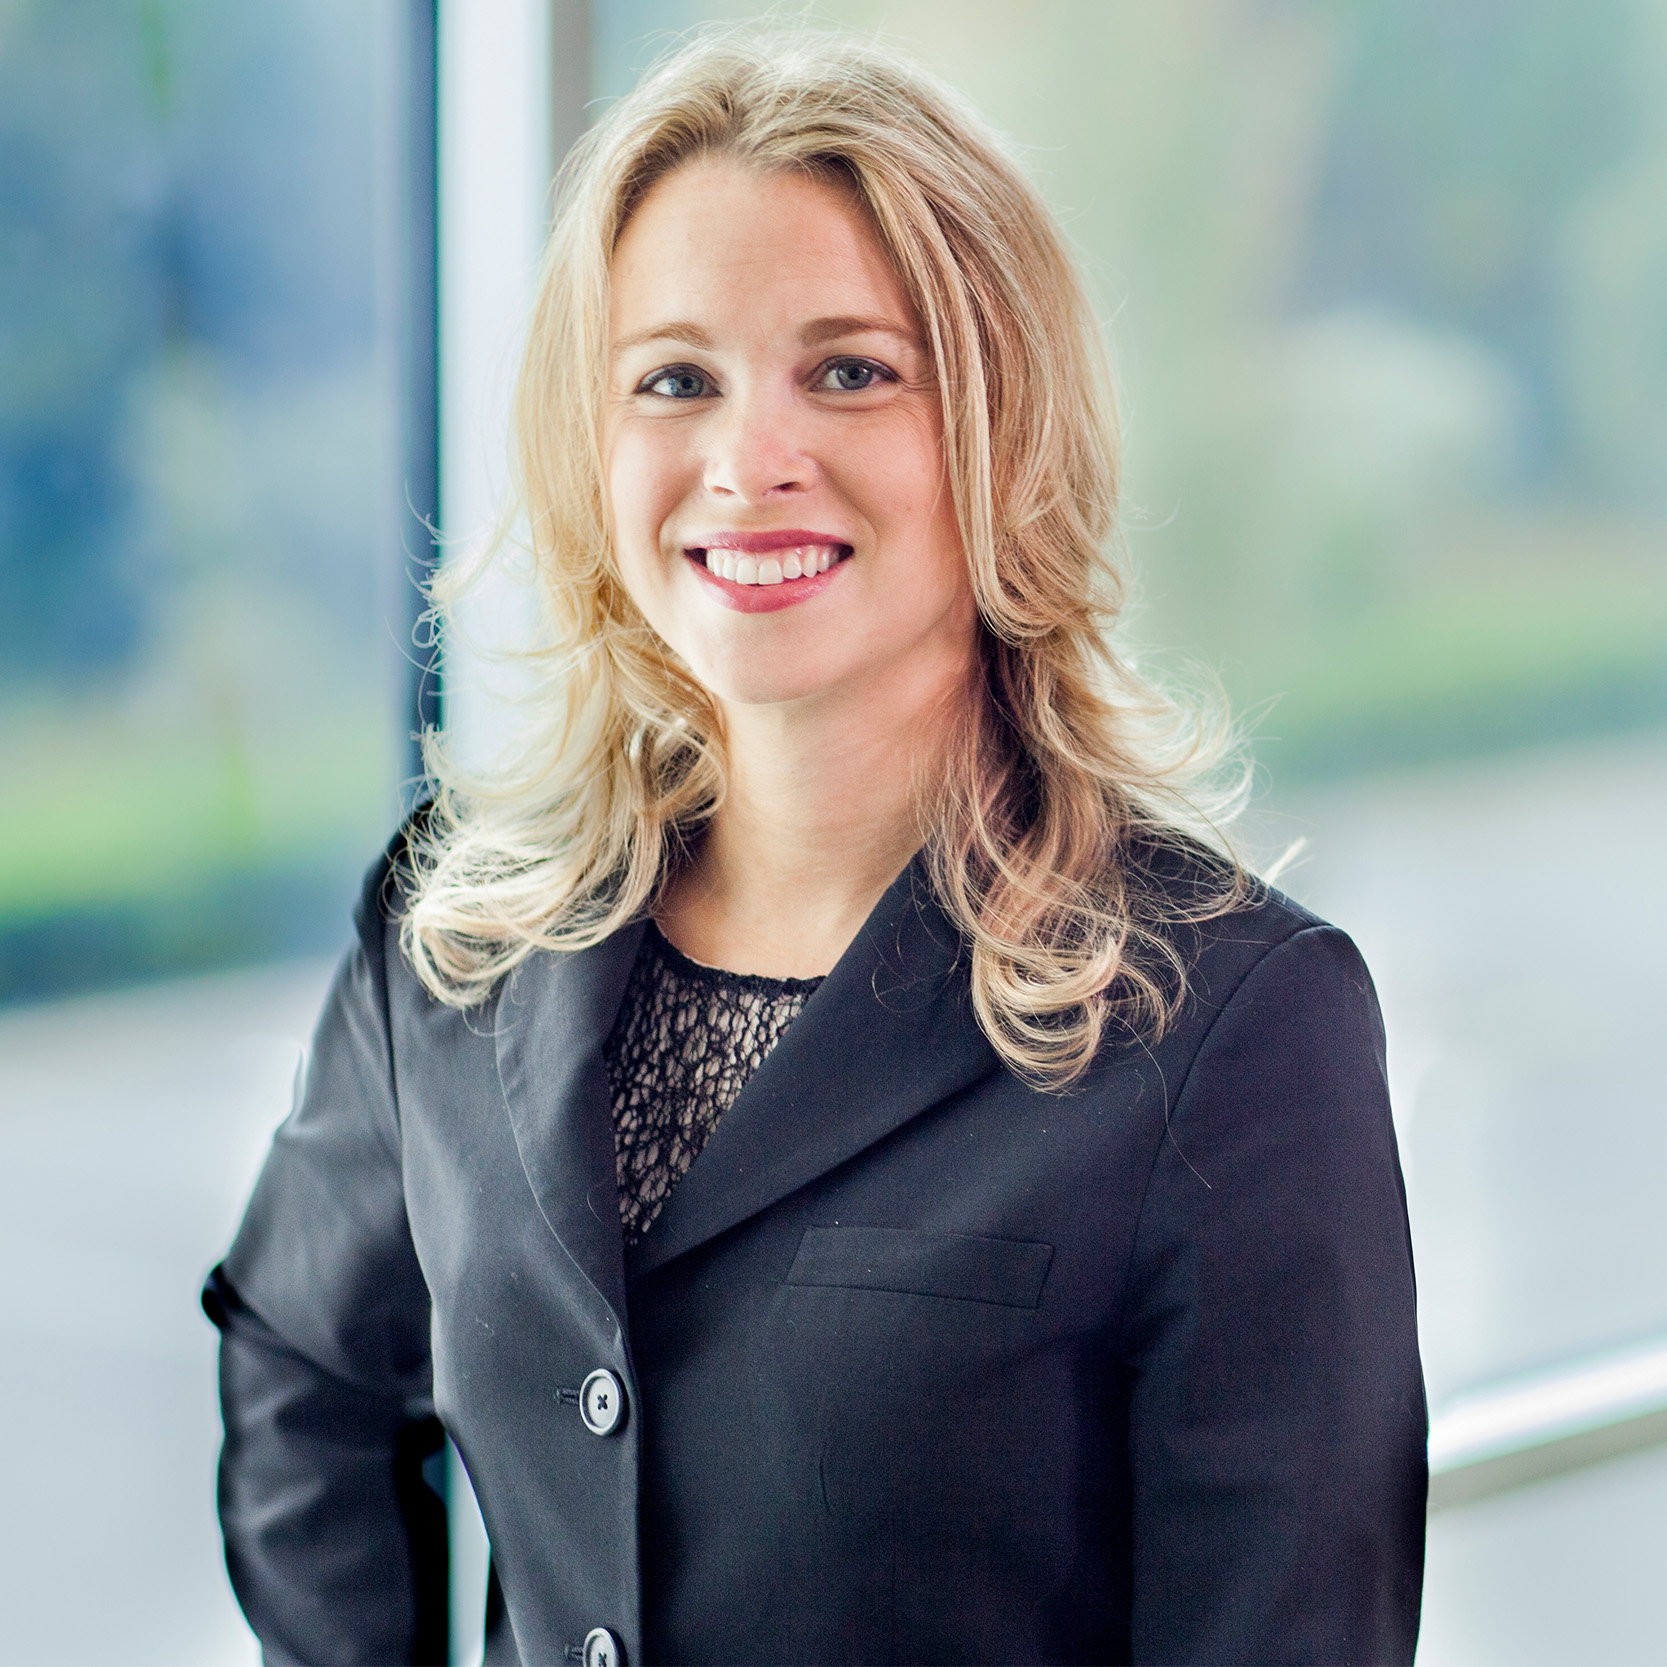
(197, 483)
(202, 613)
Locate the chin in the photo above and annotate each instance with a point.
(766, 680)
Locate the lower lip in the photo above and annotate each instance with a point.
(764, 599)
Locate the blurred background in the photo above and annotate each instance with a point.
(1386, 282)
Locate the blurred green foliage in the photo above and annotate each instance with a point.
(195, 475)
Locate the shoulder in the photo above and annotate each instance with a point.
(1220, 921)
(1273, 951)
(388, 883)
(386, 892)
(1264, 961)
(1273, 1077)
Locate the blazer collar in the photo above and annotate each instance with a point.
(553, 1015)
(890, 1032)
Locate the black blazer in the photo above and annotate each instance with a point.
(920, 1364)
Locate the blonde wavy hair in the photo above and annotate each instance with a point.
(1073, 825)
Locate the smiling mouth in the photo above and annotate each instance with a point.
(779, 567)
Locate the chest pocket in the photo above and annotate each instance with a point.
(1008, 1272)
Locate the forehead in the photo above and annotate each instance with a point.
(716, 242)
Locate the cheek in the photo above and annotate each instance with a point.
(636, 477)
(640, 470)
(909, 498)
(643, 469)
(902, 468)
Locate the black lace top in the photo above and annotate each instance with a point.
(686, 1040)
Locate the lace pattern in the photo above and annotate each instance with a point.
(686, 1040)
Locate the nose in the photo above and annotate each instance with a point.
(758, 448)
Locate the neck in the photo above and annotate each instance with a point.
(820, 817)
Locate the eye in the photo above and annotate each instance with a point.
(852, 376)
(676, 382)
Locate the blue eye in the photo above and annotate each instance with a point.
(680, 382)
(853, 376)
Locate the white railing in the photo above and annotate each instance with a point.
(1540, 1425)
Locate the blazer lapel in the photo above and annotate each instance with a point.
(553, 1016)
(890, 1032)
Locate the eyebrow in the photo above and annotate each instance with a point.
(829, 329)
(813, 334)
(691, 335)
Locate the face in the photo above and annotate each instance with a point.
(773, 445)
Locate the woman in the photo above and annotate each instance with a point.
(857, 1172)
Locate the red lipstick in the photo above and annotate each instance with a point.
(779, 593)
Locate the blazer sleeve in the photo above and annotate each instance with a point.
(335, 1549)
(1277, 1419)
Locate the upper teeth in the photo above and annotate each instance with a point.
(798, 563)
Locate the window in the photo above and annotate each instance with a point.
(200, 468)
(217, 446)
